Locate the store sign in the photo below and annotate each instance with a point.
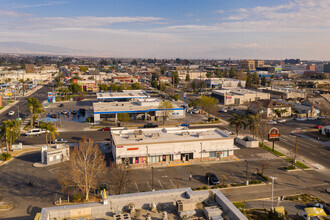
(273, 134)
(229, 97)
(133, 148)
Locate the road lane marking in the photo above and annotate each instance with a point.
(173, 184)
(160, 184)
(137, 187)
(149, 185)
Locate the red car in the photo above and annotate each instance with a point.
(79, 99)
(318, 126)
(105, 129)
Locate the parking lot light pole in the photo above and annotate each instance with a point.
(246, 171)
(296, 150)
(273, 178)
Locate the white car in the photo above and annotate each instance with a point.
(228, 132)
(281, 120)
(272, 122)
(60, 141)
(35, 132)
(223, 110)
(311, 118)
(11, 113)
(300, 119)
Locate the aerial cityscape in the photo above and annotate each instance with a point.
(165, 109)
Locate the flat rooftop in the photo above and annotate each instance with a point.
(168, 135)
(125, 94)
(237, 91)
(129, 107)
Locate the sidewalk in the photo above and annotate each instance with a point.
(8, 106)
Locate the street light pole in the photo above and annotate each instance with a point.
(246, 171)
(296, 151)
(273, 178)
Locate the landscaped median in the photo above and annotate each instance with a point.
(296, 164)
(271, 150)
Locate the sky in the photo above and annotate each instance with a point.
(209, 29)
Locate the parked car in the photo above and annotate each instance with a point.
(150, 125)
(311, 118)
(79, 99)
(322, 117)
(211, 179)
(223, 110)
(22, 115)
(272, 122)
(35, 132)
(185, 125)
(61, 105)
(281, 120)
(300, 119)
(53, 115)
(11, 113)
(60, 141)
(81, 111)
(228, 132)
(105, 129)
(303, 215)
(195, 111)
(64, 112)
(320, 205)
(74, 112)
(318, 126)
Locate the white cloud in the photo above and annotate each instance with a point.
(42, 4)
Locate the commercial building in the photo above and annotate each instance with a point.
(269, 107)
(124, 96)
(166, 146)
(142, 108)
(326, 130)
(193, 74)
(125, 79)
(248, 64)
(182, 203)
(55, 154)
(238, 96)
(259, 63)
(285, 93)
(223, 82)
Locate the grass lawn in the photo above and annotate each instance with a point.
(298, 164)
(271, 150)
(10, 101)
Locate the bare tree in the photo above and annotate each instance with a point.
(263, 131)
(85, 168)
(166, 107)
(263, 164)
(120, 177)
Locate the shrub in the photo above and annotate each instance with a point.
(291, 167)
(255, 182)
(199, 188)
(76, 198)
(237, 184)
(263, 177)
(5, 156)
(205, 187)
(217, 119)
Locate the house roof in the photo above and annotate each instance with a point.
(268, 103)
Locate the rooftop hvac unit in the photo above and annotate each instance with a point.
(138, 132)
(185, 205)
(199, 135)
(131, 137)
(155, 135)
(185, 133)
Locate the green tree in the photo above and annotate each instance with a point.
(253, 123)
(263, 81)
(154, 83)
(51, 132)
(75, 88)
(120, 88)
(113, 87)
(10, 132)
(136, 86)
(35, 108)
(123, 117)
(255, 79)
(232, 72)
(208, 104)
(225, 73)
(154, 76)
(162, 87)
(166, 107)
(187, 78)
(249, 82)
(194, 85)
(103, 87)
(208, 75)
(83, 69)
(175, 77)
(237, 121)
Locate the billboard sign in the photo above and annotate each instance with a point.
(274, 134)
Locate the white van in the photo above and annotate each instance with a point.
(36, 132)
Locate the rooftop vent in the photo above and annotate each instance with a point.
(155, 135)
(185, 133)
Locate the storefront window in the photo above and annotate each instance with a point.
(213, 154)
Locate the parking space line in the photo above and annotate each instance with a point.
(173, 184)
(137, 187)
(149, 185)
(160, 184)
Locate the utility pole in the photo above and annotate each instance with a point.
(296, 151)
(273, 178)
(246, 171)
(152, 172)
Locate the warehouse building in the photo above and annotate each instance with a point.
(285, 93)
(145, 109)
(238, 96)
(167, 146)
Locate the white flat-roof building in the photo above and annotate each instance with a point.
(238, 96)
(124, 96)
(55, 154)
(166, 146)
(147, 108)
(285, 93)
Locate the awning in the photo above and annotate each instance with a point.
(313, 211)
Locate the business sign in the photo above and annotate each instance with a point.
(229, 97)
(184, 96)
(50, 94)
(273, 134)
(8, 93)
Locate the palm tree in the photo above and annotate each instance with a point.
(51, 132)
(253, 123)
(35, 108)
(10, 132)
(238, 121)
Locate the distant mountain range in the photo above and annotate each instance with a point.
(32, 48)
